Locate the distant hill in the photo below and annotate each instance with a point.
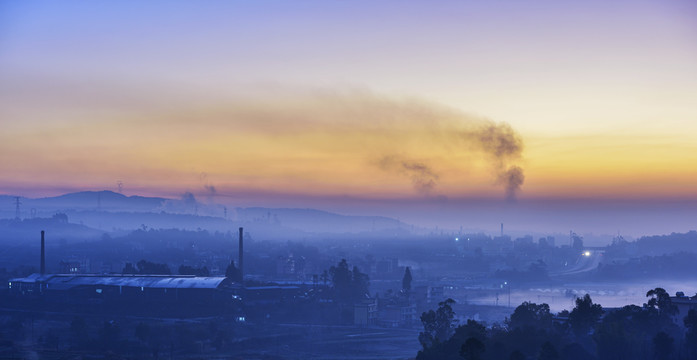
(97, 200)
(112, 212)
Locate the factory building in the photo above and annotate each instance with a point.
(132, 294)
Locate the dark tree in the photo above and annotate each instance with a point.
(660, 300)
(60, 217)
(406, 280)
(530, 314)
(149, 268)
(129, 269)
(622, 333)
(438, 325)
(341, 280)
(690, 322)
(584, 316)
(472, 349)
(470, 329)
(189, 270)
(233, 273)
(349, 285)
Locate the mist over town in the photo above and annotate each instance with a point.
(348, 180)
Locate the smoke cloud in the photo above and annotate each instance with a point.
(207, 186)
(497, 143)
(317, 143)
(210, 189)
(512, 179)
(422, 176)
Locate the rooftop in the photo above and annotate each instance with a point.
(67, 281)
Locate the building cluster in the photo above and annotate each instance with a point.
(74, 289)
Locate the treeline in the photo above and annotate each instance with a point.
(662, 244)
(655, 245)
(682, 265)
(587, 332)
(144, 267)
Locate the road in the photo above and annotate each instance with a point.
(585, 262)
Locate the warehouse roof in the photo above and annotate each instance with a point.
(67, 281)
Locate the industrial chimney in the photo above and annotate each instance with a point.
(43, 254)
(241, 261)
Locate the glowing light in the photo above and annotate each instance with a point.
(587, 253)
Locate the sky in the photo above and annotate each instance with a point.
(356, 105)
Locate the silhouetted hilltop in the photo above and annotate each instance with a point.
(113, 212)
(101, 200)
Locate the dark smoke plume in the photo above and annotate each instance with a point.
(498, 143)
(512, 178)
(210, 189)
(422, 177)
(421, 141)
(502, 143)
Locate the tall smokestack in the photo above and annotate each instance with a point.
(43, 254)
(241, 261)
(501, 229)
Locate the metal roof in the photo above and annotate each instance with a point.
(67, 281)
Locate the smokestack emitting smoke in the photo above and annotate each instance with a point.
(241, 256)
(43, 254)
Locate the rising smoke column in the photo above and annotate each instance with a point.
(504, 145)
